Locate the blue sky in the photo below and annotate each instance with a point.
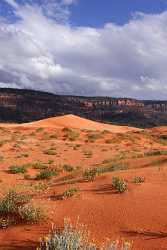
(85, 47)
(98, 12)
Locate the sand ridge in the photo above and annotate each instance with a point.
(73, 121)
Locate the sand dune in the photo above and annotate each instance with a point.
(73, 121)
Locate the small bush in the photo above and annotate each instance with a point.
(119, 184)
(138, 179)
(27, 177)
(11, 201)
(69, 193)
(90, 174)
(16, 208)
(46, 174)
(163, 136)
(17, 169)
(68, 168)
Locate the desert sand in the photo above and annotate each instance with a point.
(138, 214)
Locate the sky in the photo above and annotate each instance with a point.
(112, 48)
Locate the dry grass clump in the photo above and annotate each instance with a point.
(70, 192)
(77, 238)
(92, 137)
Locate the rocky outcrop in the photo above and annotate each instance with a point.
(28, 105)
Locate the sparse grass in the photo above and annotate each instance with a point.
(29, 213)
(92, 137)
(46, 174)
(163, 136)
(70, 192)
(138, 179)
(156, 152)
(53, 136)
(111, 166)
(88, 153)
(50, 161)
(119, 184)
(25, 155)
(39, 165)
(70, 134)
(108, 141)
(39, 130)
(77, 238)
(49, 152)
(17, 169)
(27, 177)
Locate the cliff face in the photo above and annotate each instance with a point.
(26, 105)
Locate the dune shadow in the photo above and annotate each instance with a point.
(19, 245)
(105, 189)
(150, 235)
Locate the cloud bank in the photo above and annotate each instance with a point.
(42, 51)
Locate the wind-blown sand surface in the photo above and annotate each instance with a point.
(77, 122)
(138, 215)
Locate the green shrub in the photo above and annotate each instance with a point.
(16, 207)
(69, 193)
(119, 184)
(46, 174)
(11, 201)
(90, 174)
(76, 238)
(138, 179)
(17, 169)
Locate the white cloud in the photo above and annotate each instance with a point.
(68, 2)
(12, 3)
(41, 53)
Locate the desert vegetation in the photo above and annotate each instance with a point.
(63, 171)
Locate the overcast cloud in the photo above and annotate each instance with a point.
(41, 50)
